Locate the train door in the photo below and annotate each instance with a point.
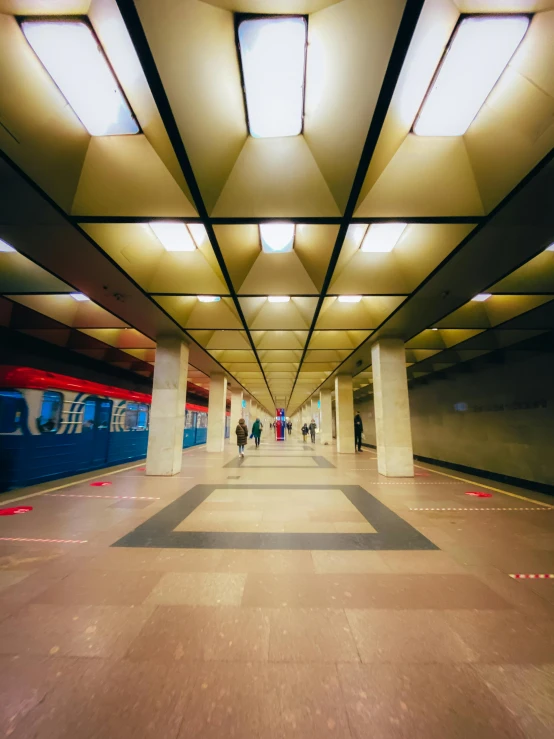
(97, 414)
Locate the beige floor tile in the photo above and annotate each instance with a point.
(349, 562)
(198, 589)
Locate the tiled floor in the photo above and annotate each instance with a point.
(295, 598)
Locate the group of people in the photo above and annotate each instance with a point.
(242, 432)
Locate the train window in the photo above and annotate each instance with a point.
(142, 421)
(50, 412)
(10, 411)
(89, 413)
(103, 414)
(131, 416)
(189, 419)
(202, 421)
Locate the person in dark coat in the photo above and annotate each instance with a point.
(242, 436)
(358, 431)
(305, 431)
(257, 431)
(312, 427)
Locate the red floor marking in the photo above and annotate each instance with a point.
(119, 497)
(479, 495)
(141, 469)
(49, 541)
(533, 577)
(99, 484)
(421, 474)
(481, 509)
(15, 511)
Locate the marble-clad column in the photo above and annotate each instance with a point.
(167, 412)
(325, 417)
(344, 410)
(216, 413)
(392, 409)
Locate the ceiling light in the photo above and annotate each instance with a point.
(548, 248)
(79, 297)
(277, 237)
(278, 298)
(198, 233)
(273, 55)
(5, 247)
(478, 53)
(349, 298)
(481, 297)
(434, 329)
(73, 57)
(208, 298)
(382, 237)
(173, 235)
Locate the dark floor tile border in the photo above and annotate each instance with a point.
(518, 482)
(321, 462)
(392, 531)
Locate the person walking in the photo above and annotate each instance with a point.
(242, 436)
(289, 426)
(312, 428)
(257, 431)
(358, 431)
(305, 431)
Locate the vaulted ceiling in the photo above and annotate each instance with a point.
(79, 210)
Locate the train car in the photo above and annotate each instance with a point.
(53, 426)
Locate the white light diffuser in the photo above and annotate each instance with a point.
(349, 298)
(198, 233)
(382, 237)
(278, 298)
(5, 247)
(479, 51)
(548, 248)
(72, 56)
(208, 298)
(481, 297)
(79, 297)
(173, 235)
(273, 55)
(277, 237)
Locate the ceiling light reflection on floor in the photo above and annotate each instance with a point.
(277, 237)
(349, 298)
(173, 235)
(382, 237)
(272, 51)
(479, 51)
(73, 57)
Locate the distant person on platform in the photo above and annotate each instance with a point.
(312, 430)
(257, 431)
(305, 431)
(289, 426)
(358, 431)
(242, 436)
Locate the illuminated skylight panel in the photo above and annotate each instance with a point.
(208, 298)
(349, 298)
(277, 237)
(548, 248)
(173, 235)
(73, 57)
(278, 298)
(5, 247)
(198, 233)
(273, 57)
(481, 297)
(79, 297)
(382, 237)
(479, 51)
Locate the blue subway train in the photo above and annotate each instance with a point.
(53, 426)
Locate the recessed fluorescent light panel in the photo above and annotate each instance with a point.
(198, 233)
(79, 297)
(277, 237)
(382, 237)
(272, 52)
(349, 298)
(278, 298)
(73, 57)
(173, 235)
(548, 248)
(208, 298)
(481, 297)
(5, 247)
(479, 51)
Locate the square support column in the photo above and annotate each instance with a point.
(392, 409)
(167, 412)
(325, 417)
(236, 410)
(344, 409)
(216, 413)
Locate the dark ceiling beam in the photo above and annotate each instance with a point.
(301, 220)
(146, 58)
(402, 43)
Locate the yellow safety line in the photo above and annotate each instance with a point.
(480, 485)
(70, 484)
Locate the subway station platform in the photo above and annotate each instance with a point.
(295, 593)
